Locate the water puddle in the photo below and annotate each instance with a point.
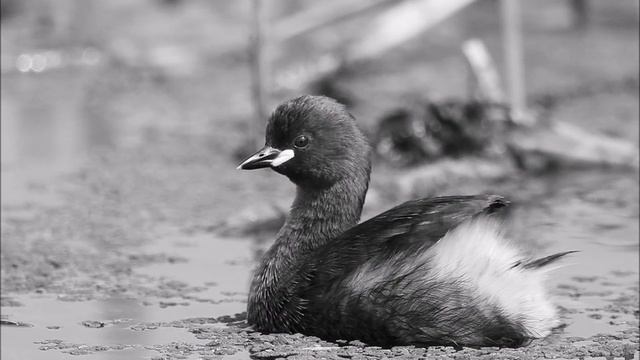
(218, 269)
(598, 286)
(105, 322)
(122, 328)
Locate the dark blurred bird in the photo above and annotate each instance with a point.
(429, 271)
(430, 130)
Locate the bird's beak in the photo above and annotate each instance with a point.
(266, 157)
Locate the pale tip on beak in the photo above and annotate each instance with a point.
(266, 157)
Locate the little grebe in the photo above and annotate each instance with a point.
(429, 271)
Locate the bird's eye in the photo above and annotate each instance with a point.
(301, 142)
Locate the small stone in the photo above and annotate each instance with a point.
(93, 324)
(357, 343)
(5, 322)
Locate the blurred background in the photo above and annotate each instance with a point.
(122, 124)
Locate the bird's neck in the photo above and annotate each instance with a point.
(319, 215)
(316, 217)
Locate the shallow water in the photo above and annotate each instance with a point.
(124, 329)
(136, 324)
(220, 266)
(603, 273)
(54, 319)
(592, 211)
(594, 284)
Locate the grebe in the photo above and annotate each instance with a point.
(429, 271)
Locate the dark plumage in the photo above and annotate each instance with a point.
(430, 271)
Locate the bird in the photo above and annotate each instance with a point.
(432, 271)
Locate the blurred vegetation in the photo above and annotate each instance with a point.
(107, 74)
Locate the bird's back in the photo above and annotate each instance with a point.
(428, 271)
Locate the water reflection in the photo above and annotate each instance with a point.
(118, 316)
(126, 320)
(121, 317)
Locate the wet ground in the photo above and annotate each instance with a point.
(110, 268)
(122, 211)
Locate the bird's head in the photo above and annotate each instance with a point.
(314, 141)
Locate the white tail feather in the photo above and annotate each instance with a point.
(477, 253)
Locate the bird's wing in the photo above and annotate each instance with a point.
(412, 226)
(421, 222)
(334, 286)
